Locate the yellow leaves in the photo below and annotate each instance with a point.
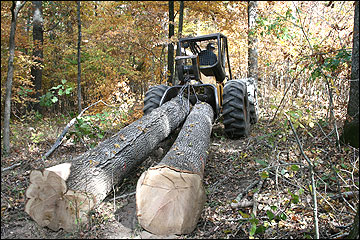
(142, 129)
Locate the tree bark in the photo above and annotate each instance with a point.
(79, 58)
(181, 20)
(351, 127)
(60, 196)
(178, 49)
(15, 8)
(38, 39)
(171, 196)
(170, 45)
(252, 41)
(354, 232)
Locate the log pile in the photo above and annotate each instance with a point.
(62, 195)
(170, 196)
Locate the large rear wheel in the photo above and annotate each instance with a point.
(153, 98)
(236, 109)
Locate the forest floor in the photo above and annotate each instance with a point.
(269, 160)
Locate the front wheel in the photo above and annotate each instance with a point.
(236, 109)
(153, 97)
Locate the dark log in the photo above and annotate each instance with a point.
(170, 196)
(60, 196)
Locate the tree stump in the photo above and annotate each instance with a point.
(170, 196)
(62, 195)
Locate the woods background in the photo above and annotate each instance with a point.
(69, 55)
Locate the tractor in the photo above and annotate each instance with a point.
(204, 74)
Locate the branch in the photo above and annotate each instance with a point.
(62, 135)
(312, 178)
(11, 167)
(237, 201)
(256, 195)
(285, 94)
(125, 195)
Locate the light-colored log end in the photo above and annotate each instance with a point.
(52, 205)
(169, 201)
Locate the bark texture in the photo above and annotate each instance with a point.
(171, 45)
(62, 195)
(171, 195)
(15, 8)
(252, 41)
(38, 39)
(79, 57)
(351, 127)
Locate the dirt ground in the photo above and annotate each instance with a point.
(231, 167)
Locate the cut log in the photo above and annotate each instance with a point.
(62, 195)
(170, 196)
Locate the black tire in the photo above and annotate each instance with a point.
(153, 97)
(236, 109)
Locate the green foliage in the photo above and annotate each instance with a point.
(277, 27)
(328, 63)
(52, 95)
(86, 127)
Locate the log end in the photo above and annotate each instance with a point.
(169, 201)
(52, 205)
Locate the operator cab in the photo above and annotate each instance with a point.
(213, 59)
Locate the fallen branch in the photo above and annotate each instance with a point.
(11, 167)
(279, 165)
(255, 202)
(236, 202)
(59, 140)
(125, 195)
(313, 185)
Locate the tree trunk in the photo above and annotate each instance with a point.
(351, 128)
(252, 41)
(79, 58)
(181, 20)
(170, 45)
(178, 49)
(61, 196)
(171, 196)
(15, 8)
(354, 232)
(38, 39)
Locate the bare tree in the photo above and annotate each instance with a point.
(38, 39)
(15, 8)
(252, 40)
(170, 45)
(351, 128)
(181, 20)
(79, 58)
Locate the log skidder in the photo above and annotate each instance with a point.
(61, 196)
(204, 64)
(170, 196)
